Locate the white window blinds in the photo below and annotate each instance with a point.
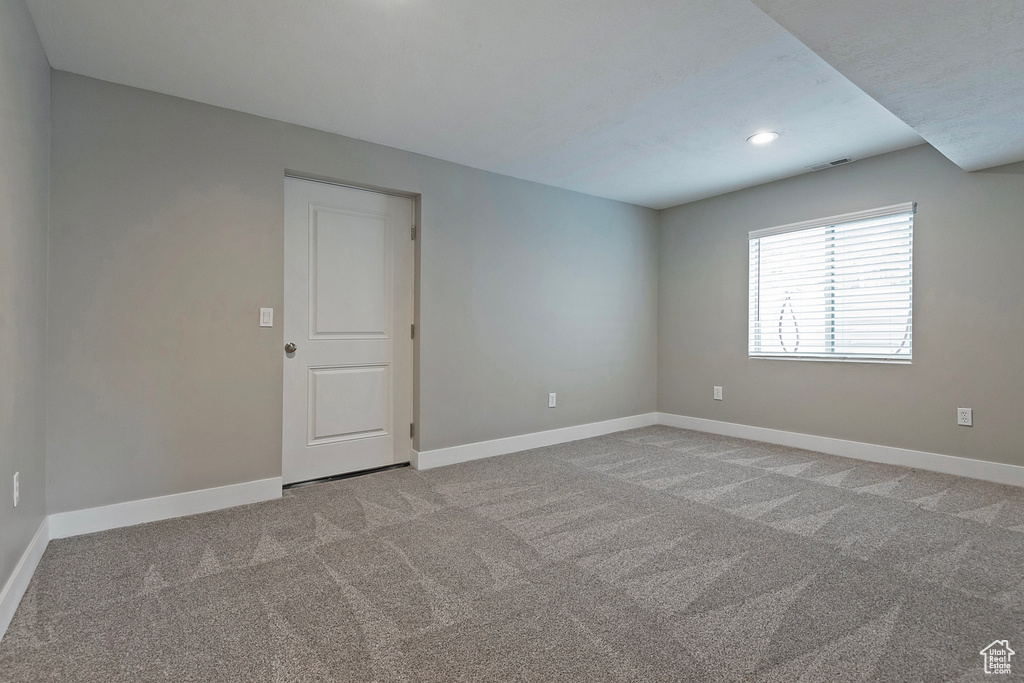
(839, 288)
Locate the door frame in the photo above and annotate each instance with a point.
(416, 198)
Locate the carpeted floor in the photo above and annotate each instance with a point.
(650, 555)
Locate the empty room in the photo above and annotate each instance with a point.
(384, 341)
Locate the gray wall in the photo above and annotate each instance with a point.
(166, 238)
(24, 180)
(968, 311)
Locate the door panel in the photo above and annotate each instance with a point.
(350, 274)
(348, 403)
(348, 309)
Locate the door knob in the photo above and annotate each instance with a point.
(290, 347)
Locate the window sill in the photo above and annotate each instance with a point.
(840, 359)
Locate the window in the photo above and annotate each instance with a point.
(839, 288)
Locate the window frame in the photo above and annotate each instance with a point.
(818, 223)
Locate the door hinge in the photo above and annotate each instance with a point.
(414, 232)
(412, 430)
(412, 331)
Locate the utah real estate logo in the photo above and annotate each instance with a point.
(997, 657)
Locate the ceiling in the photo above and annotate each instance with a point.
(952, 70)
(644, 101)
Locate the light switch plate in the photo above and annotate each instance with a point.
(266, 317)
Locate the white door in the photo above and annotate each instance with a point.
(348, 306)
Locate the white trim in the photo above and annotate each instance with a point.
(16, 585)
(894, 210)
(486, 449)
(64, 524)
(1000, 473)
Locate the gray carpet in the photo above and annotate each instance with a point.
(650, 555)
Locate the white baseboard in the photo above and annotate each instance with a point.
(486, 449)
(1000, 473)
(15, 587)
(64, 524)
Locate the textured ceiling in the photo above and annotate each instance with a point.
(648, 102)
(953, 70)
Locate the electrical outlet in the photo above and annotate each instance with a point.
(718, 393)
(965, 417)
(17, 477)
(551, 400)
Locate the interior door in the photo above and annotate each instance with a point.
(348, 310)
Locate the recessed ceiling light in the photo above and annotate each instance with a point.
(763, 138)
